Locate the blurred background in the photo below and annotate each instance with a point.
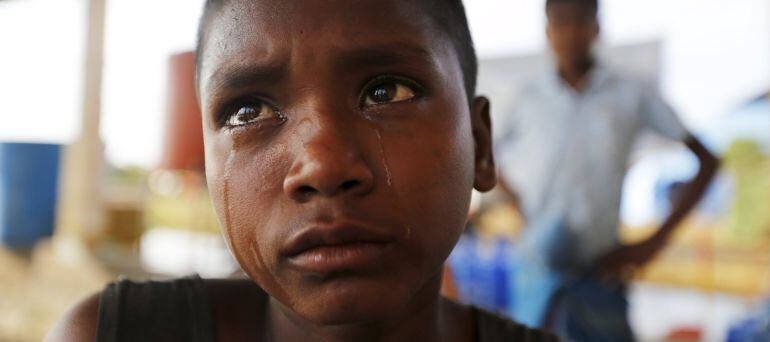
(101, 168)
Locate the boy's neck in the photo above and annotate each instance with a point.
(575, 74)
(429, 318)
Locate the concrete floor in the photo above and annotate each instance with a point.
(36, 289)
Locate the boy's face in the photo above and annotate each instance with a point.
(340, 151)
(572, 29)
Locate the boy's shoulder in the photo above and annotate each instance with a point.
(79, 323)
(188, 308)
(236, 305)
(493, 327)
(159, 310)
(490, 326)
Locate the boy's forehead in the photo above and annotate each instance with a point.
(294, 13)
(259, 30)
(568, 10)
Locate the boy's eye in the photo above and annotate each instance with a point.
(388, 92)
(250, 113)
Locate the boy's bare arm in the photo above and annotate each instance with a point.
(636, 255)
(79, 324)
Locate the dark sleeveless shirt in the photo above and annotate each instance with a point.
(179, 310)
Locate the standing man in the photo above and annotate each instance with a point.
(564, 154)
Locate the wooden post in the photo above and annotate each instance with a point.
(80, 206)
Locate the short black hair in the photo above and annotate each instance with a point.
(591, 5)
(449, 15)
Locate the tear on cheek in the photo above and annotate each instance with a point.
(224, 184)
(264, 277)
(257, 256)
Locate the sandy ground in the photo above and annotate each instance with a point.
(37, 288)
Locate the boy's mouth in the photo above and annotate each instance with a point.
(330, 248)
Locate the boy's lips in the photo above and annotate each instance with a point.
(336, 247)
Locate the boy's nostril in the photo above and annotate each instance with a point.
(306, 190)
(349, 184)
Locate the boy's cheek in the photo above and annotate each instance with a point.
(435, 182)
(216, 152)
(255, 231)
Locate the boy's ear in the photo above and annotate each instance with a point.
(485, 172)
(596, 29)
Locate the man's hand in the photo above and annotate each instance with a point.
(622, 262)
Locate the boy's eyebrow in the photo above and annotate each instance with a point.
(386, 54)
(246, 75)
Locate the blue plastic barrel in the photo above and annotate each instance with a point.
(28, 189)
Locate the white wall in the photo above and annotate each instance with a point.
(141, 35)
(715, 53)
(41, 66)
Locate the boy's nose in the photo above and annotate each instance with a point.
(329, 163)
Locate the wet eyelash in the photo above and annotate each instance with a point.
(419, 90)
(229, 109)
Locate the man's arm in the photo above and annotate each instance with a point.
(638, 254)
(693, 191)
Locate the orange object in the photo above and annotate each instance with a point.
(685, 334)
(448, 287)
(183, 148)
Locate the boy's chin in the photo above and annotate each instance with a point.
(358, 305)
(335, 316)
